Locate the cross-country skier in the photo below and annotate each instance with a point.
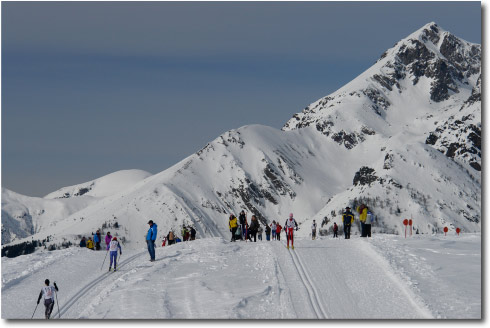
(289, 227)
(313, 230)
(151, 236)
(113, 246)
(47, 292)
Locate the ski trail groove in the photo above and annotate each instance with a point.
(312, 293)
(90, 285)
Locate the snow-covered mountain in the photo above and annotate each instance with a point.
(404, 137)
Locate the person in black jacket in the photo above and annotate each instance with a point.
(242, 219)
(267, 233)
(48, 292)
(254, 226)
(193, 233)
(83, 242)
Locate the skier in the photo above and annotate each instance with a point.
(232, 224)
(193, 233)
(274, 229)
(47, 292)
(108, 239)
(347, 219)
(113, 246)
(83, 242)
(313, 230)
(151, 236)
(289, 226)
(278, 231)
(335, 229)
(267, 233)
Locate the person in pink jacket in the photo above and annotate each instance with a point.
(108, 239)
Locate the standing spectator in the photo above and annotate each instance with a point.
(48, 292)
(232, 224)
(335, 229)
(369, 220)
(185, 233)
(274, 229)
(347, 219)
(242, 218)
(108, 239)
(362, 210)
(83, 242)
(151, 236)
(193, 233)
(267, 232)
(259, 232)
(171, 238)
(278, 231)
(97, 240)
(254, 226)
(90, 243)
(313, 230)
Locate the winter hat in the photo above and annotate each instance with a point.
(151, 221)
(290, 215)
(46, 281)
(115, 238)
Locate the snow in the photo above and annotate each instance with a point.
(383, 277)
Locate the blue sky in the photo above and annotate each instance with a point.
(95, 87)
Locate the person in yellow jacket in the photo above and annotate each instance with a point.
(90, 244)
(362, 210)
(233, 224)
(347, 219)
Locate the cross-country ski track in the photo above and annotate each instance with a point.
(215, 279)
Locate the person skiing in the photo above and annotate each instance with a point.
(274, 229)
(232, 224)
(48, 292)
(83, 242)
(267, 233)
(108, 239)
(313, 230)
(90, 244)
(193, 233)
(335, 229)
(289, 227)
(347, 219)
(113, 246)
(151, 236)
(278, 231)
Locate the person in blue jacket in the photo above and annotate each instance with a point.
(151, 236)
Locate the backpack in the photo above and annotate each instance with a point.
(370, 217)
(238, 231)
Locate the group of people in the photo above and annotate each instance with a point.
(366, 218)
(241, 230)
(94, 244)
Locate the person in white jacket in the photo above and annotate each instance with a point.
(289, 227)
(48, 293)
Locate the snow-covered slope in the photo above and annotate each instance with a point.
(403, 137)
(23, 216)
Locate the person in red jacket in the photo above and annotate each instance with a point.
(278, 231)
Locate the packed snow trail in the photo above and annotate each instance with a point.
(376, 278)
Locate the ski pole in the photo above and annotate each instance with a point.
(34, 311)
(104, 259)
(58, 304)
